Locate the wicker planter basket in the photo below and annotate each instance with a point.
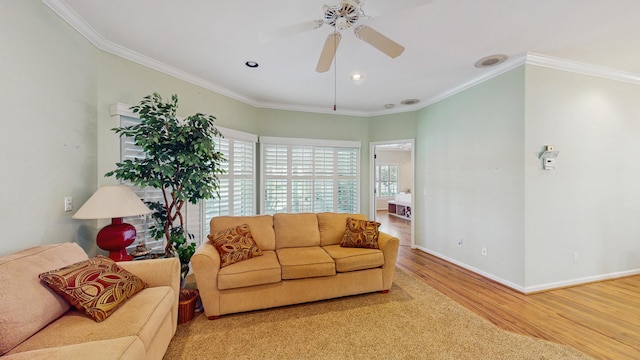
(187, 305)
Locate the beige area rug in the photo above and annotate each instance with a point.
(412, 321)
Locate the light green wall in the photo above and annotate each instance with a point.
(479, 178)
(56, 93)
(296, 124)
(48, 99)
(478, 175)
(123, 81)
(469, 177)
(400, 126)
(127, 82)
(282, 123)
(590, 204)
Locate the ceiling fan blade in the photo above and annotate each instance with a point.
(328, 52)
(286, 31)
(379, 41)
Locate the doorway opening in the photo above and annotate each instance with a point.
(392, 188)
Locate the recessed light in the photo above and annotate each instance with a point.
(356, 77)
(251, 64)
(491, 60)
(409, 102)
(389, 106)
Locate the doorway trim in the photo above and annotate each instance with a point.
(372, 182)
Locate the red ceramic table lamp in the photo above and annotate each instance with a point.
(114, 202)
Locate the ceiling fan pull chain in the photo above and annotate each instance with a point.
(335, 72)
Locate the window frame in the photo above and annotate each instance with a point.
(233, 136)
(195, 214)
(378, 182)
(288, 178)
(120, 113)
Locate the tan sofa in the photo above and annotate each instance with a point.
(36, 323)
(302, 261)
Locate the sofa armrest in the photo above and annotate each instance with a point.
(389, 246)
(156, 272)
(385, 240)
(206, 266)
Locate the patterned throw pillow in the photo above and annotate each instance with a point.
(235, 244)
(361, 234)
(98, 285)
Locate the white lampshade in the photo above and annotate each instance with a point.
(112, 201)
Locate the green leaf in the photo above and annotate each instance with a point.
(179, 157)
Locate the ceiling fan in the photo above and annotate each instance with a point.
(345, 16)
(342, 17)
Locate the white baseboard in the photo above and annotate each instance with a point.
(475, 270)
(535, 288)
(581, 281)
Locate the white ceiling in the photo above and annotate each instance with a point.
(207, 42)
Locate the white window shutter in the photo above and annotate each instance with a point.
(301, 175)
(237, 185)
(130, 151)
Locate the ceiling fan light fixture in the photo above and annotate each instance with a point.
(342, 16)
(409, 102)
(342, 23)
(252, 64)
(491, 60)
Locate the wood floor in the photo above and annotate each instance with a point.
(600, 319)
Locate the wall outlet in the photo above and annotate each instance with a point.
(460, 241)
(576, 257)
(484, 251)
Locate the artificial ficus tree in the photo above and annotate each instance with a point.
(180, 159)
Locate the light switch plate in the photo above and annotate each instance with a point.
(68, 203)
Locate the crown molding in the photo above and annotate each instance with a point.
(581, 68)
(71, 17)
(510, 64)
(543, 61)
(76, 22)
(312, 109)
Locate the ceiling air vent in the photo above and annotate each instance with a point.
(409, 102)
(491, 60)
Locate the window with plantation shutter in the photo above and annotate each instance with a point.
(237, 184)
(302, 175)
(386, 178)
(129, 151)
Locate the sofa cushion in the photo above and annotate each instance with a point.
(260, 270)
(352, 259)
(140, 316)
(305, 262)
(235, 244)
(23, 296)
(98, 285)
(261, 227)
(361, 234)
(296, 230)
(332, 226)
(123, 348)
